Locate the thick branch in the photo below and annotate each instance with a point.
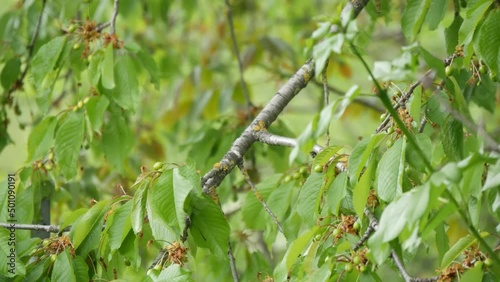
(263, 120)
(35, 227)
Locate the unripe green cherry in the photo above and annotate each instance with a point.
(348, 268)
(356, 225)
(482, 69)
(449, 70)
(318, 168)
(48, 166)
(336, 231)
(157, 165)
(72, 28)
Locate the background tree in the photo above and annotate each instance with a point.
(145, 137)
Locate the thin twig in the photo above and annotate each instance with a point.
(423, 122)
(397, 260)
(232, 263)
(372, 226)
(113, 17)
(259, 197)
(229, 13)
(326, 97)
(401, 267)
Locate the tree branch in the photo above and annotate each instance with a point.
(232, 263)
(36, 227)
(113, 17)
(263, 120)
(259, 197)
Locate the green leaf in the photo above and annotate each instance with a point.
(25, 200)
(130, 250)
(402, 213)
(63, 268)
(46, 58)
(438, 219)
(126, 91)
(68, 141)
(209, 227)
(161, 209)
(94, 69)
(294, 250)
(5, 257)
(488, 41)
(493, 178)
(321, 51)
(309, 194)
(280, 199)
(81, 269)
(10, 73)
(390, 172)
(473, 16)
(336, 193)
(139, 203)
(451, 34)
(95, 108)
(362, 190)
(85, 232)
(174, 273)
(72, 217)
(117, 139)
(348, 98)
(360, 155)
(484, 95)
(107, 68)
(435, 14)
(185, 180)
(41, 138)
(457, 250)
(433, 62)
(150, 65)
(473, 275)
(453, 139)
(118, 226)
(413, 17)
(442, 243)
